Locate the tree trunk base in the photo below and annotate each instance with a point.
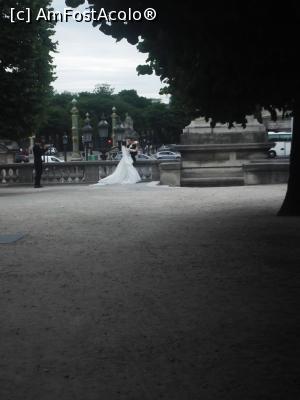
(291, 203)
(290, 206)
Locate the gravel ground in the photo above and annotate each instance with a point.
(141, 292)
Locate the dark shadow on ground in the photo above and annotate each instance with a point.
(197, 302)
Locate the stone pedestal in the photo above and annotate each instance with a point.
(263, 173)
(215, 156)
(170, 173)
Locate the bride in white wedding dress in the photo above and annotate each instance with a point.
(124, 173)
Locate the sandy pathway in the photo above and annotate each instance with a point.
(141, 292)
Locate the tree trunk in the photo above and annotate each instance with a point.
(291, 203)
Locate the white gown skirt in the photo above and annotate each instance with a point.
(125, 173)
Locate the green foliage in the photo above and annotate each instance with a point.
(57, 119)
(133, 99)
(144, 70)
(158, 122)
(25, 69)
(104, 89)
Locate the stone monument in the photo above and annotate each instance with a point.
(215, 156)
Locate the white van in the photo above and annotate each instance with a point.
(282, 142)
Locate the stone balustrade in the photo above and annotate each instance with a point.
(79, 172)
(263, 173)
(168, 173)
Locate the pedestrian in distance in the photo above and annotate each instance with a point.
(38, 150)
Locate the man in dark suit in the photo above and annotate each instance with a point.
(38, 150)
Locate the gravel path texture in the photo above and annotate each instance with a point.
(141, 292)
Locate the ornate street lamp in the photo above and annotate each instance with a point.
(50, 143)
(103, 127)
(75, 130)
(114, 117)
(119, 133)
(143, 141)
(128, 125)
(87, 135)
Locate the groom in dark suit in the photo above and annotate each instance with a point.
(132, 147)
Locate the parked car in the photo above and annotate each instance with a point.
(51, 159)
(139, 157)
(21, 158)
(144, 157)
(167, 155)
(167, 147)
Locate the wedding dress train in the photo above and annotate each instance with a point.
(124, 173)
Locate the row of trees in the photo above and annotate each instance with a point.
(155, 121)
(29, 105)
(26, 69)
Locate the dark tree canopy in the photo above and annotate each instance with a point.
(223, 60)
(25, 69)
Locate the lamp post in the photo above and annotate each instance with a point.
(103, 127)
(87, 136)
(114, 117)
(119, 133)
(128, 125)
(31, 138)
(143, 141)
(65, 143)
(75, 130)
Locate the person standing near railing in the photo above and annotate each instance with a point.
(38, 150)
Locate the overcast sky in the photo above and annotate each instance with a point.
(86, 57)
